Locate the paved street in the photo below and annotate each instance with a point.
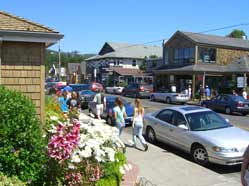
(164, 165)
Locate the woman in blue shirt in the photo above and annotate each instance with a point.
(119, 114)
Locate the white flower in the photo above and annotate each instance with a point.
(121, 170)
(86, 153)
(44, 135)
(71, 166)
(75, 158)
(54, 118)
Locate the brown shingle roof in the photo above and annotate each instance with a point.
(127, 71)
(15, 23)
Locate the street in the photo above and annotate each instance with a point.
(164, 165)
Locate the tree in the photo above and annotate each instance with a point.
(143, 64)
(237, 34)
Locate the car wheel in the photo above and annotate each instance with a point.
(228, 110)
(168, 100)
(109, 121)
(200, 155)
(150, 135)
(152, 98)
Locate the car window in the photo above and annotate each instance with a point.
(166, 116)
(224, 98)
(179, 119)
(218, 97)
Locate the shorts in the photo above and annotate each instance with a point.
(99, 109)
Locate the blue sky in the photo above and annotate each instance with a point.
(87, 24)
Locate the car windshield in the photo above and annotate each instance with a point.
(111, 101)
(238, 98)
(207, 120)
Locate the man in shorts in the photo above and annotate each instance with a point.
(100, 101)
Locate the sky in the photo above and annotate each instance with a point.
(88, 24)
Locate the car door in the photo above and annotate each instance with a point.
(162, 123)
(214, 103)
(180, 136)
(222, 103)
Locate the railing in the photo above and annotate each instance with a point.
(142, 181)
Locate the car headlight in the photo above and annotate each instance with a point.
(225, 150)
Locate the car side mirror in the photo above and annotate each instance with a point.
(184, 127)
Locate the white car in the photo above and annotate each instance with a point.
(114, 90)
(169, 97)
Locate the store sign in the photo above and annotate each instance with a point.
(240, 82)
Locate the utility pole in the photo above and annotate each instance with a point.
(59, 58)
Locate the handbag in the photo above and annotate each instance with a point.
(246, 177)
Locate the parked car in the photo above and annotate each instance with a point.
(138, 90)
(79, 87)
(206, 135)
(228, 103)
(114, 90)
(94, 86)
(169, 97)
(108, 111)
(49, 86)
(85, 97)
(57, 87)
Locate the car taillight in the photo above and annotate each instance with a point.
(141, 88)
(240, 104)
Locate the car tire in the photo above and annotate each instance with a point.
(168, 100)
(109, 121)
(151, 135)
(199, 155)
(152, 98)
(228, 110)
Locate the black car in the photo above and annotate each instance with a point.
(85, 97)
(228, 103)
(138, 90)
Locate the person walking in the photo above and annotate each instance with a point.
(244, 168)
(100, 101)
(244, 93)
(137, 124)
(73, 102)
(62, 100)
(119, 114)
(207, 92)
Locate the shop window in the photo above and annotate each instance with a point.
(166, 56)
(134, 62)
(206, 55)
(184, 55)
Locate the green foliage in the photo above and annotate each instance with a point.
(21, 144)
(123, 84)
(113, 177)
(143, 65)
(10, 181)
(237, 34)
(66, 57)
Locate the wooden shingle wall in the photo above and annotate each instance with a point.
(226, 56)
(23, 69)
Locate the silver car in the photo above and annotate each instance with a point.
(169, 97)
(204, 134)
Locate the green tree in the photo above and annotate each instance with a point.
(237, 34)
(143, 64)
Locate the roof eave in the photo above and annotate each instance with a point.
(38, 37)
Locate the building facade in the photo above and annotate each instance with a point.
(118, 55)
(22, 53)
(200, 59)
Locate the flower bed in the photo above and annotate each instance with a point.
(85, 153)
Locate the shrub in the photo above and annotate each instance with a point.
(10, 181)
(21, 144)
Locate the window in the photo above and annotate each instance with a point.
(179, 119)
(166, 56)
(184, 55)
(206, 55)
(166, 116)
(134, 62)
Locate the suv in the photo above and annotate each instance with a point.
(138, 90)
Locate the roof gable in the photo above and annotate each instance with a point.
(10, 22)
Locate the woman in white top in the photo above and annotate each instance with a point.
(137, 124)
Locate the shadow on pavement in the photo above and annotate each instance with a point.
(220, 169)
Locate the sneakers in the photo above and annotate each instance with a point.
(146, 147)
